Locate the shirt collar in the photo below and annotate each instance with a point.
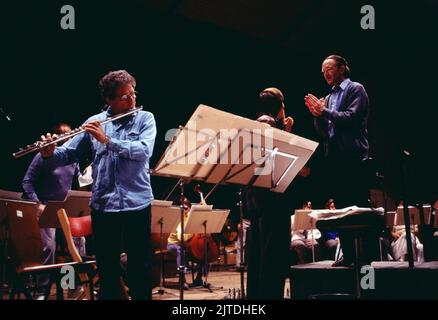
(343, 84)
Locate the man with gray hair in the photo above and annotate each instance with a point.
(121, 193)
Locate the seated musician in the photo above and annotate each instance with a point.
(44, 182)
(399, 247)
(329, 240)
(304, 243)
(174, 245)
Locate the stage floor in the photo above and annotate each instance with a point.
(225, 284)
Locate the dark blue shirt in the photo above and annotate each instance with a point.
(44, 182)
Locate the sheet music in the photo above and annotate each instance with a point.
(165, 213)
(327, 214)
(215, 221)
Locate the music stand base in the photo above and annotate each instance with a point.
(159, 291)
(207, 286)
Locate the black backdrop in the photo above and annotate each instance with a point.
(50, 75)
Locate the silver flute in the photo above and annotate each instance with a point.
(40, 144)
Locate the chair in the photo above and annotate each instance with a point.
(79, 227)
(27, 250)
(82, 227)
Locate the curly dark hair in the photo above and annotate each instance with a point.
(112, 80)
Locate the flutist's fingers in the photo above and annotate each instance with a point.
(48, 150)
(95, 129)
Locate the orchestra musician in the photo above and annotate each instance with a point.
(42, 183)
(121, 193)
(269, 236)
(174, 245)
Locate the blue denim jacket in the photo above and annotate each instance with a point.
(121, 181)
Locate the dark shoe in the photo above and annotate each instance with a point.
(197, 283)
(342, 263)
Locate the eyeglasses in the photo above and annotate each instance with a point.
(126, 97)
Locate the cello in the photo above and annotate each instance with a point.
(202, 246)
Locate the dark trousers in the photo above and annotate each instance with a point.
(268, 254)
(345, 180)
(133, 229)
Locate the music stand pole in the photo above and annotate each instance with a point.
(241, 267)
(161, 290)
(204, 271)
(163, 220)
(181, 270)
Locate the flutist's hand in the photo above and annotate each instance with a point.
(316, 106)
(95, 129)
(288, 122)
(47, 152)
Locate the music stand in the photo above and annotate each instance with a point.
(414, 215)
(5, 196)
(202, 219)
(164, 220)
(222, 148)
(415, 219)
(76, 204)
(390, 219)
(11, 195)
(302, 221)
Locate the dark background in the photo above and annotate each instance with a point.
(222, 53)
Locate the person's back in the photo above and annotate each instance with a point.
(269, 237)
